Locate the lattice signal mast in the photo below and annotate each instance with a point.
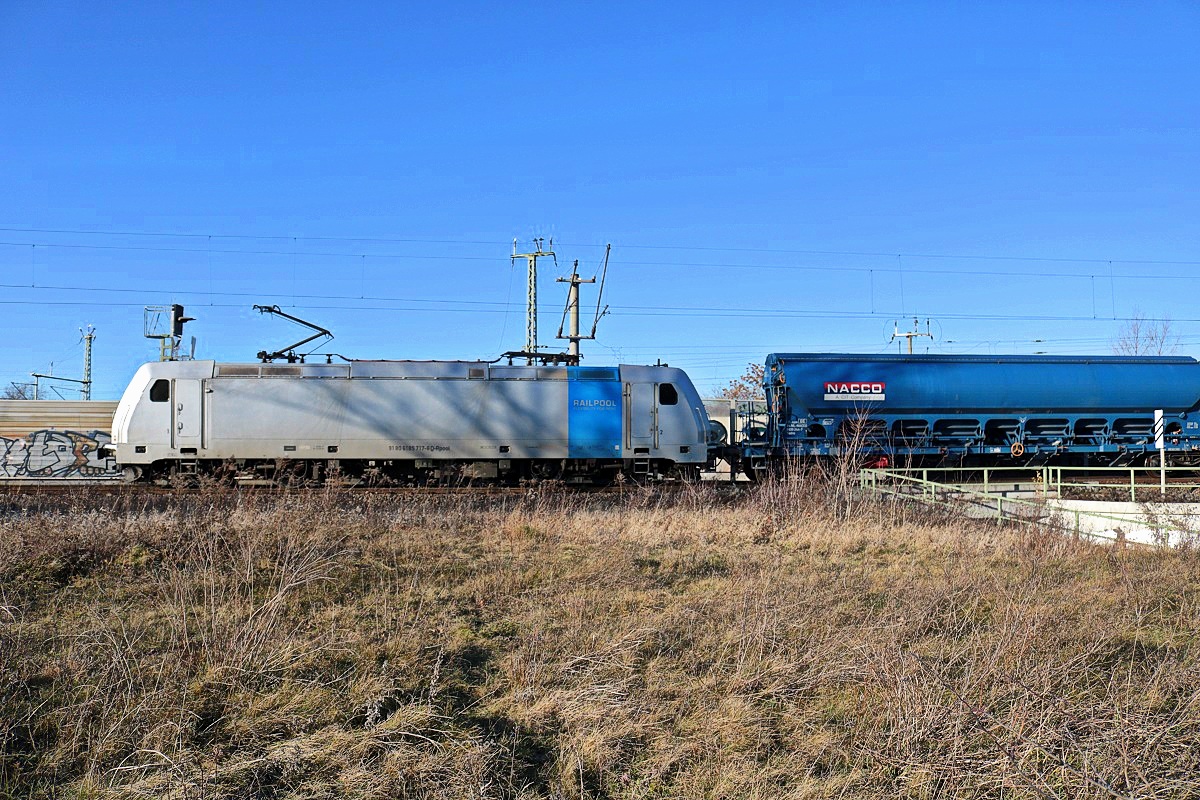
(88, 337)
(531, 344)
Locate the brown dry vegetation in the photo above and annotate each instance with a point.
(784, 643)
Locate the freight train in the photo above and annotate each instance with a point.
(420, 422)
(409, 422)
(964, 410)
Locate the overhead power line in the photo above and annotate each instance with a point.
(252, 236)
(501, 306)
(824, 268)
(207, 293)
(684, 248)
(656, 311)
(207, 251)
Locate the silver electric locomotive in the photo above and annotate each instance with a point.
(409, 421)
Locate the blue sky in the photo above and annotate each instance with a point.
(780, 177)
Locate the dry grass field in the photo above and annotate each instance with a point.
(791, 642)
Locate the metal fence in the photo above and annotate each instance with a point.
(1144, 484)
(981, 497)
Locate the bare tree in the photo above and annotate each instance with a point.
(16, 391)
(747, 387)
(1143, 336)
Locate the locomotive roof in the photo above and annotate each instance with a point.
(363, 368)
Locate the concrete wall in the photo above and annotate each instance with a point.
(1173, 524)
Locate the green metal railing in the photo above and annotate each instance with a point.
(915, 485)
(1139, 491)
(1056, 478)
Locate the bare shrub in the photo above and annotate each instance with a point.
(1143, 336)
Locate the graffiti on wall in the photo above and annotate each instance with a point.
(69, 455)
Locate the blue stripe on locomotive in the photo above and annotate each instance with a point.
(594, 412)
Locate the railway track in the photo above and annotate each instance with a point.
(133, 490)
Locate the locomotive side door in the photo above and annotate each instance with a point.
(641, 415)
(187, 413)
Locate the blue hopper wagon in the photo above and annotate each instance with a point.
(968, 410)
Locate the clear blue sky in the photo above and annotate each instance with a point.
(773, 177)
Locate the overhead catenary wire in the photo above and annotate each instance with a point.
(630, 246)
(900, 269)
(656, 310)
(651, 311)
(217, 263)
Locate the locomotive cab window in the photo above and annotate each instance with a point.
(667, 395)
(160, 391)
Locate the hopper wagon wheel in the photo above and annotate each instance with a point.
(750, 471)
(1017, 449)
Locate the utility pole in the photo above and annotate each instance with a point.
(531, 311)
(573, 311)
(88, 336)
(37, 376)
(85, 385)
(910, 335)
